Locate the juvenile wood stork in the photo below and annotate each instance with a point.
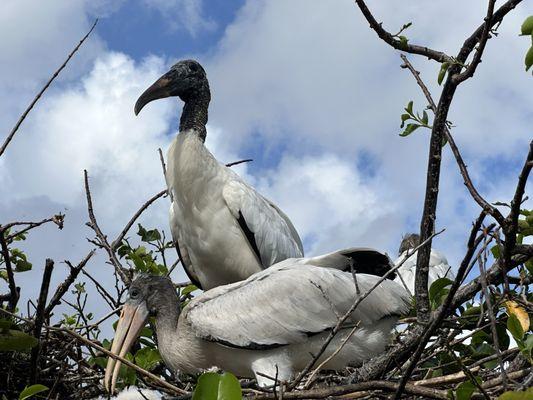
(223, 229)
(270, 323)
(438, 264)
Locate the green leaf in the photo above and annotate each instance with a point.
(147, 358)
(22, 265)
(443, 68)
(465, 390)
(527, 395)
(529, 58)
(32, 390)
(409, 107)
(213, 386)
(16, 341)
(514, 326)
(527, 26)
(438, 289)
(410, 129)
(404, 117)
(425, 117)
(403, 41)
(495, 250)
(188, 289)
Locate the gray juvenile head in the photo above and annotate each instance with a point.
(409, 241)
(156, 291)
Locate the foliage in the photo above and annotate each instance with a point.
(31, 391)
(213, 386)
(527, 30)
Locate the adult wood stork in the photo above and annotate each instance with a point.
(438, 264)
(223, 229)
(270, 323)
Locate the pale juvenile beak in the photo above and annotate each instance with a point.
(132, 319)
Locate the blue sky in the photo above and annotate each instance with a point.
(302, 87)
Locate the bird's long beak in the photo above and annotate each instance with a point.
(132, 320)
(160, 89)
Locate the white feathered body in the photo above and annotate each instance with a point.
(207, 200)
(438, 268)
(280, 317)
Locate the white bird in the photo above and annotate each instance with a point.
(438, 264)
(272, 323)
(223, 229)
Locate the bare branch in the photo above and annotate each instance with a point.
(25, 113)
(231, 164)
(121, 271)
(40, 317)
(469, 72)
(388, 38)
(64, 286)
(140, 370)
(493, 211)
(118, 240)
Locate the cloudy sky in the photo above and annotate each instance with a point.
(305, 88)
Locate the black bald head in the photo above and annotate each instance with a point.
(186, 79)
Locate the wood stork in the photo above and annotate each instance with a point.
(270, 323)
(223, 229)
(438, 264)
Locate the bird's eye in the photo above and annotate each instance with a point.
(134, 293)
(193, 67)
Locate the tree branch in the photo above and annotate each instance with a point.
(388, 38)
(469, 72)
(493, 211)
(121, 271)
(40, 317)
(147, 204)
(25, 113)
(65, 285)
(13, 290)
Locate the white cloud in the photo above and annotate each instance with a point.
(187, 14)
(311, 78)
(329, 203)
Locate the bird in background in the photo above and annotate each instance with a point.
(438, 264)
(223, 229)
(270, 324)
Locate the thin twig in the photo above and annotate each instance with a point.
(56, 73)
(231, 164)
(343, 319)
(120, 237)
(396, 43)
(455, 150)
(469, 72)
(142, 371)
(64, 286)
(120, 270)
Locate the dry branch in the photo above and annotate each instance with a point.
(54, 76)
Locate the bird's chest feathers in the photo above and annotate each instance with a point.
(193, 174)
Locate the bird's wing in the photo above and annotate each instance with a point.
(365, 261)
(287, 304)
(438, 268)
(268, 230)
(183, 253)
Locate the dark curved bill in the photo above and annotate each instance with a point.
(160, 89)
